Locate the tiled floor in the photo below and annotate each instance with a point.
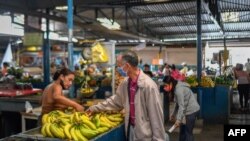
(214, 132)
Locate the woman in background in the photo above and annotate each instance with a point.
(186, 107)
(243, 80)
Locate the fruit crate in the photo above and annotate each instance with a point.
(115, 134)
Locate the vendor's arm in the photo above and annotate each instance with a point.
(60, 99)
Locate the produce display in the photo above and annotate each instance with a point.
(78, 126)
(207, 82)
(192, 81)
(224, 80)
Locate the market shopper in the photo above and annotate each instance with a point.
(247, 65)
(138, 94)
(243, 80)
(5, 68)
(53, 98)
(186, 107)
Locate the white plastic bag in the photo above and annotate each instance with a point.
(28, 107)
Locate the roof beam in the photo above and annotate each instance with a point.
(94, 27)
(212, 9)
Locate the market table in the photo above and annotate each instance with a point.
(11, 106)
(115, 134)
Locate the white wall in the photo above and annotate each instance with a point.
(169, 55)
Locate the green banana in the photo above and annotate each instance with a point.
(96, 120)
(79, 135)
(66, 130)
(87, 132)
(102, 129)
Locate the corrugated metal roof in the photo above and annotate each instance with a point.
(170, 18)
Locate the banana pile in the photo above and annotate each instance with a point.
(192, 81)
(207, 82)
(78, 126)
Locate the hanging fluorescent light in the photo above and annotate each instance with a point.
(108, 23)
(62, 8)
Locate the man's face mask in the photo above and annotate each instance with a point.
(121, 71)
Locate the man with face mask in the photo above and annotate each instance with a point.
(53, 98)
(139, 96)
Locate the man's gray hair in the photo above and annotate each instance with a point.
(130, 57)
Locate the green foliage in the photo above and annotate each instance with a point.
(17, 72)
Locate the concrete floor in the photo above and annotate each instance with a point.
(214, 132)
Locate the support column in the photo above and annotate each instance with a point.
(70, 42)
(46, 54)
(199, 42)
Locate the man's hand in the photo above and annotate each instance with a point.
(172, 118)
(177, 123)
(89, 112)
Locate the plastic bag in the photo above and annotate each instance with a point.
(28, 107)
(99, 54)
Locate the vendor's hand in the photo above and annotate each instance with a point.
(79, 108)
(177, 123)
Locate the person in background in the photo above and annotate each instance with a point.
(184, 70)
(247, 65)
(52, 68)
(5, 68)
(243, 80)
(147, 71)
(186, 107)
(139, 96)
(53, 98)
(167, 70)
(175, 73)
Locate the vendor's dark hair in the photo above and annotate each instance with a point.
(168, 80)
(63, 71)
(131, 57)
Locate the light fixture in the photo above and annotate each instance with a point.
(108, 23)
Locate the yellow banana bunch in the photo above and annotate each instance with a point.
(45, 119)
(104, 118)
(114, 119)
(57, 131)
(73, 134)
(66, 130)
(88, 122)
(45, 130)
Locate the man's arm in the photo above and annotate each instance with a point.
(114, 103)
